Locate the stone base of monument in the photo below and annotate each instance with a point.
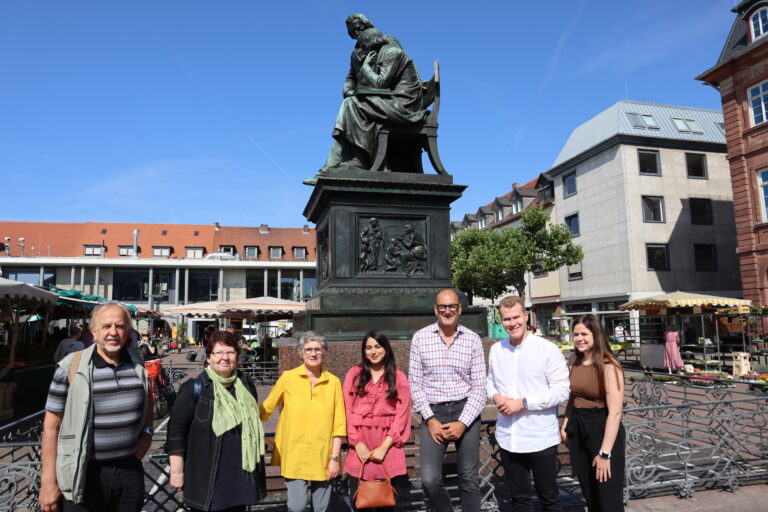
(383, 253)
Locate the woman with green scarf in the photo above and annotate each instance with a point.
(215, 436)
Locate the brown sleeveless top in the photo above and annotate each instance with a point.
(585, 389)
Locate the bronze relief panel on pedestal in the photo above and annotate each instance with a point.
(394, 247)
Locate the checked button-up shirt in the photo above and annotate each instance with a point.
(444, 373)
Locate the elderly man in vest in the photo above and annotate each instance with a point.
(98, 423)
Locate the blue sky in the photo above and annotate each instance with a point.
(200, 111)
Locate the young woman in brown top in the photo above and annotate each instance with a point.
(592, 426)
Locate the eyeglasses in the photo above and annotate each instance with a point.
(449, 307)
(313, 350)
(221, 355)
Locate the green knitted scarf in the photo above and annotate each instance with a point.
(230, 411)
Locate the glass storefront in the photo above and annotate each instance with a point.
(29, 275)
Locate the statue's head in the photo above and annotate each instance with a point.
(356, 23)
(371, 39)
(408, 228)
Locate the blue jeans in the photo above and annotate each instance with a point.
(468, 461)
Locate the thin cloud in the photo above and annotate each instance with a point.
(658, 41)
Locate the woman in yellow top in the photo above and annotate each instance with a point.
(311, 426)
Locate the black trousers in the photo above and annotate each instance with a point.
(585, 435)
(114, 485)
(517, 470)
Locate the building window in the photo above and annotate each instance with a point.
(130, 284)
(758, 101)
(572, 221)
(763, 178)
(517, 205)
(705, 257)
(686, 125)
(499, 215)
(653, 209)
(537, 270)
(30, 275)
(125, 250)
(643, 121)
(701, 211)
(195, 252)
(275, 253)
(569, 184)
(696, 165)
(658, 256)
(203, 285)
(759, 23)
(574, 272)
(299, 253)
(290, 285)
(161, 252)
(252, 251)
(481, 222)
(649, 162)
(93, 250)
(584, 307)
(227, 249)
(546, 192)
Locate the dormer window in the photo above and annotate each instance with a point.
(643, 121)
(299, 253)
(251, 251)
(93, 250)
(499, 214)
(517, 205)
(686, 125)
(161, 251)
(228, 249)
(275, 253)
(195, 253)
(759, 23)
(481, 223)
(125, 250)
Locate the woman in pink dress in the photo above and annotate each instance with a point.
(672, 357)
(378, 404)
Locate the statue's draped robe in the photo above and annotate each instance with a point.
(361, 117)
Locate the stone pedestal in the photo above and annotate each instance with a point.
(383, 253)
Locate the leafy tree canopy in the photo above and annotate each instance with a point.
(486, 263)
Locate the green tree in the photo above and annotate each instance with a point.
(486, 263)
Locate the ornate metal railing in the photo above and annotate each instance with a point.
(692, 434)
(681, 437)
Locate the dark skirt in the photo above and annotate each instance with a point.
(585, 430)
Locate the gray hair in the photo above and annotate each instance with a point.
(104, 305)
(313, 336)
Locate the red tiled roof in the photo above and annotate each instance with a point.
(60, 239)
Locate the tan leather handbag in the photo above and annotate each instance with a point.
(374, 493)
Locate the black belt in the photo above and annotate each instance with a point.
(451, 402)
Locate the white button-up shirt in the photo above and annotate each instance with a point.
(535, 370)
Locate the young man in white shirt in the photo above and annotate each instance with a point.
(527, 379)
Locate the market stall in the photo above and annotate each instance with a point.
(673, 307)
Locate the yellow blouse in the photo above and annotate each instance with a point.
(310, 417)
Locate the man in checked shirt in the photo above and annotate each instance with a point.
(447, 378)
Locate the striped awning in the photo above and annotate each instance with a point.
(270, 307)
(198, 309)
(684, 300)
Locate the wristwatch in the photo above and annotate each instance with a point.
(149, 430)
(525, 403)
(335, 458)
(604, 455)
